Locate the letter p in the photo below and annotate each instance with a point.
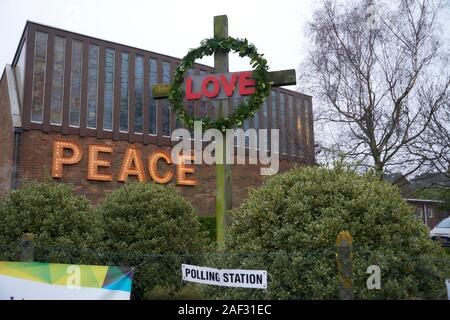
(59, 159)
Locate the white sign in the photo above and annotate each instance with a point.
(448, 288)
(225, 277)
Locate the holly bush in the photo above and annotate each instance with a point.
(63, 226)
(288, 226)
(154, 229)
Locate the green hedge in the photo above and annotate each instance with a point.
(147, 226)
(146, 218)
(208, 226)
(63, 224)
(289, 225)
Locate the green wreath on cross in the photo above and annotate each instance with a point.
(247, 108)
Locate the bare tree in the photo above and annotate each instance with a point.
(433, 146)
(379, 76)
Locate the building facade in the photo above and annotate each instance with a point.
(429, 211)
(64, 87)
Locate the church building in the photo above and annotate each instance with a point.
(73, 106)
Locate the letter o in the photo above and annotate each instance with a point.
(216, 89)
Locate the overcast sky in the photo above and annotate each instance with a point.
(169, 27)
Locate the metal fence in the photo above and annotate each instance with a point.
(344, 271)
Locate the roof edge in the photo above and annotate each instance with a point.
(21, 42)
(425, 200)
(13, 94)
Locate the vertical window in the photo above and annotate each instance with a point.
(265, 111)
(75, 83)
(138, 93)
(307, 127)
(292, 131)
(274, 110)
(204, 103)
(190, 104)
(40, 62)
(153, 77)
(166, 107)
(256, 126)
(256, 120)
(108, 108)
(430, 212)
(124, 71)
(58, 81)
(299, 125)
(283, 128)
(233, 104)
(178, 124)
(246, 126)
(419, 212)
(91, 119)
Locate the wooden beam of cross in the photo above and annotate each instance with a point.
(223, 171)
(276, 79)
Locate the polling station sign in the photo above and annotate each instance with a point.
(52, 281)
(225, 277)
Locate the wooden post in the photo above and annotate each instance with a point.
(223, 171)
(26, 244)
(344, 263)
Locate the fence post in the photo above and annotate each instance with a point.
(26, 244)
(344, 263)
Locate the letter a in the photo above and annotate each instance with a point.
(374, 281)
(132, 155)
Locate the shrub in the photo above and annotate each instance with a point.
(188, 292)
(208, 225)
(150, 227)
(289, 225)
(60, 222)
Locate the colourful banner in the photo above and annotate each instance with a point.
(50, 281)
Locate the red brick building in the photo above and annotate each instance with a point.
(63, 86)
(429, 211)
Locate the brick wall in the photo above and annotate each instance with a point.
(437, 214)
(6, 138)
(35, 159)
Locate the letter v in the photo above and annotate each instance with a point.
(229, 86)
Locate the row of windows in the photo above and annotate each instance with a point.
(286, 113)
(429, 212)
(76, 73)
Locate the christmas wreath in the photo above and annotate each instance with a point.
(247, 108)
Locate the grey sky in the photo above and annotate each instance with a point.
(170, 27)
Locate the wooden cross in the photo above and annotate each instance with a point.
(223, 171)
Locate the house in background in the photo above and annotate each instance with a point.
(426, 204)
(429, 211)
